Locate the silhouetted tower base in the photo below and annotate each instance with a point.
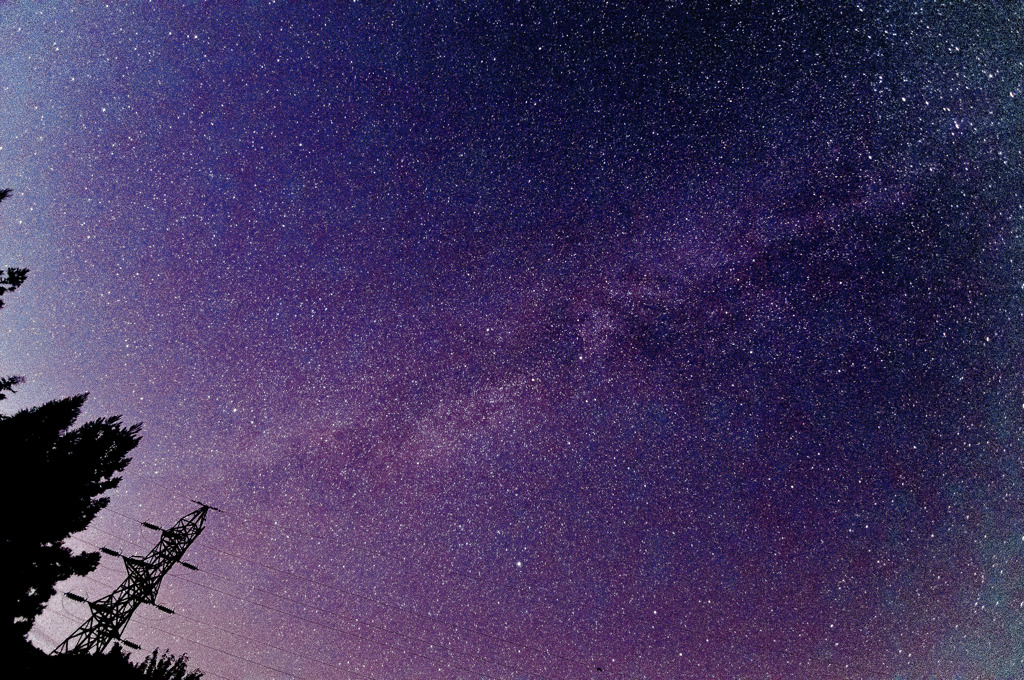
(111, 614)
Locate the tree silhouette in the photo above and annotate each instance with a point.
(59, 473)
(13, 277)
(7, 385)
(9, 282)
(168, 667)
(10, 279)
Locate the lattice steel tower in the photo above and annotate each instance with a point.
(111, 614)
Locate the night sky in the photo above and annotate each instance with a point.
(537, 340)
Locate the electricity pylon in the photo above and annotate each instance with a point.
(111, 614)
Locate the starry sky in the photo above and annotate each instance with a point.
(537, 340)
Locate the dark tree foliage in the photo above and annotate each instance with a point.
(61, 472)
(7, 385)
(10, 280)
(25, 661)
(168, 667)
(13, 277)
(57, 474)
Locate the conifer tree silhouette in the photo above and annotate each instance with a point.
(61, 472)
(168, 667)
(10, 279)
(56, 474)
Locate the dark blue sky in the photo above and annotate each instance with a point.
(677, 340)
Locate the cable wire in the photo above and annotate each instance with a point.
(398, 607)
(381, 628)
(339, 630)
(77, 622)
(334, 538)
(519, 645)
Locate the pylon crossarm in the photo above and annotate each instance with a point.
(111, 614)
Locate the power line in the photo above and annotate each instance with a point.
(496, 663)
(376, 553)
(331, 537)
(398, 607)
(636, 617)
(297, 655)
(435, 567)
(379, 603)
(356, 635)
(110, 614)
(218, 649)
(223, 651)
(316, 623)
(343, 631)
(320, 624)
(372, 625)
(246, 637)
(204, 671)
(519, 645)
